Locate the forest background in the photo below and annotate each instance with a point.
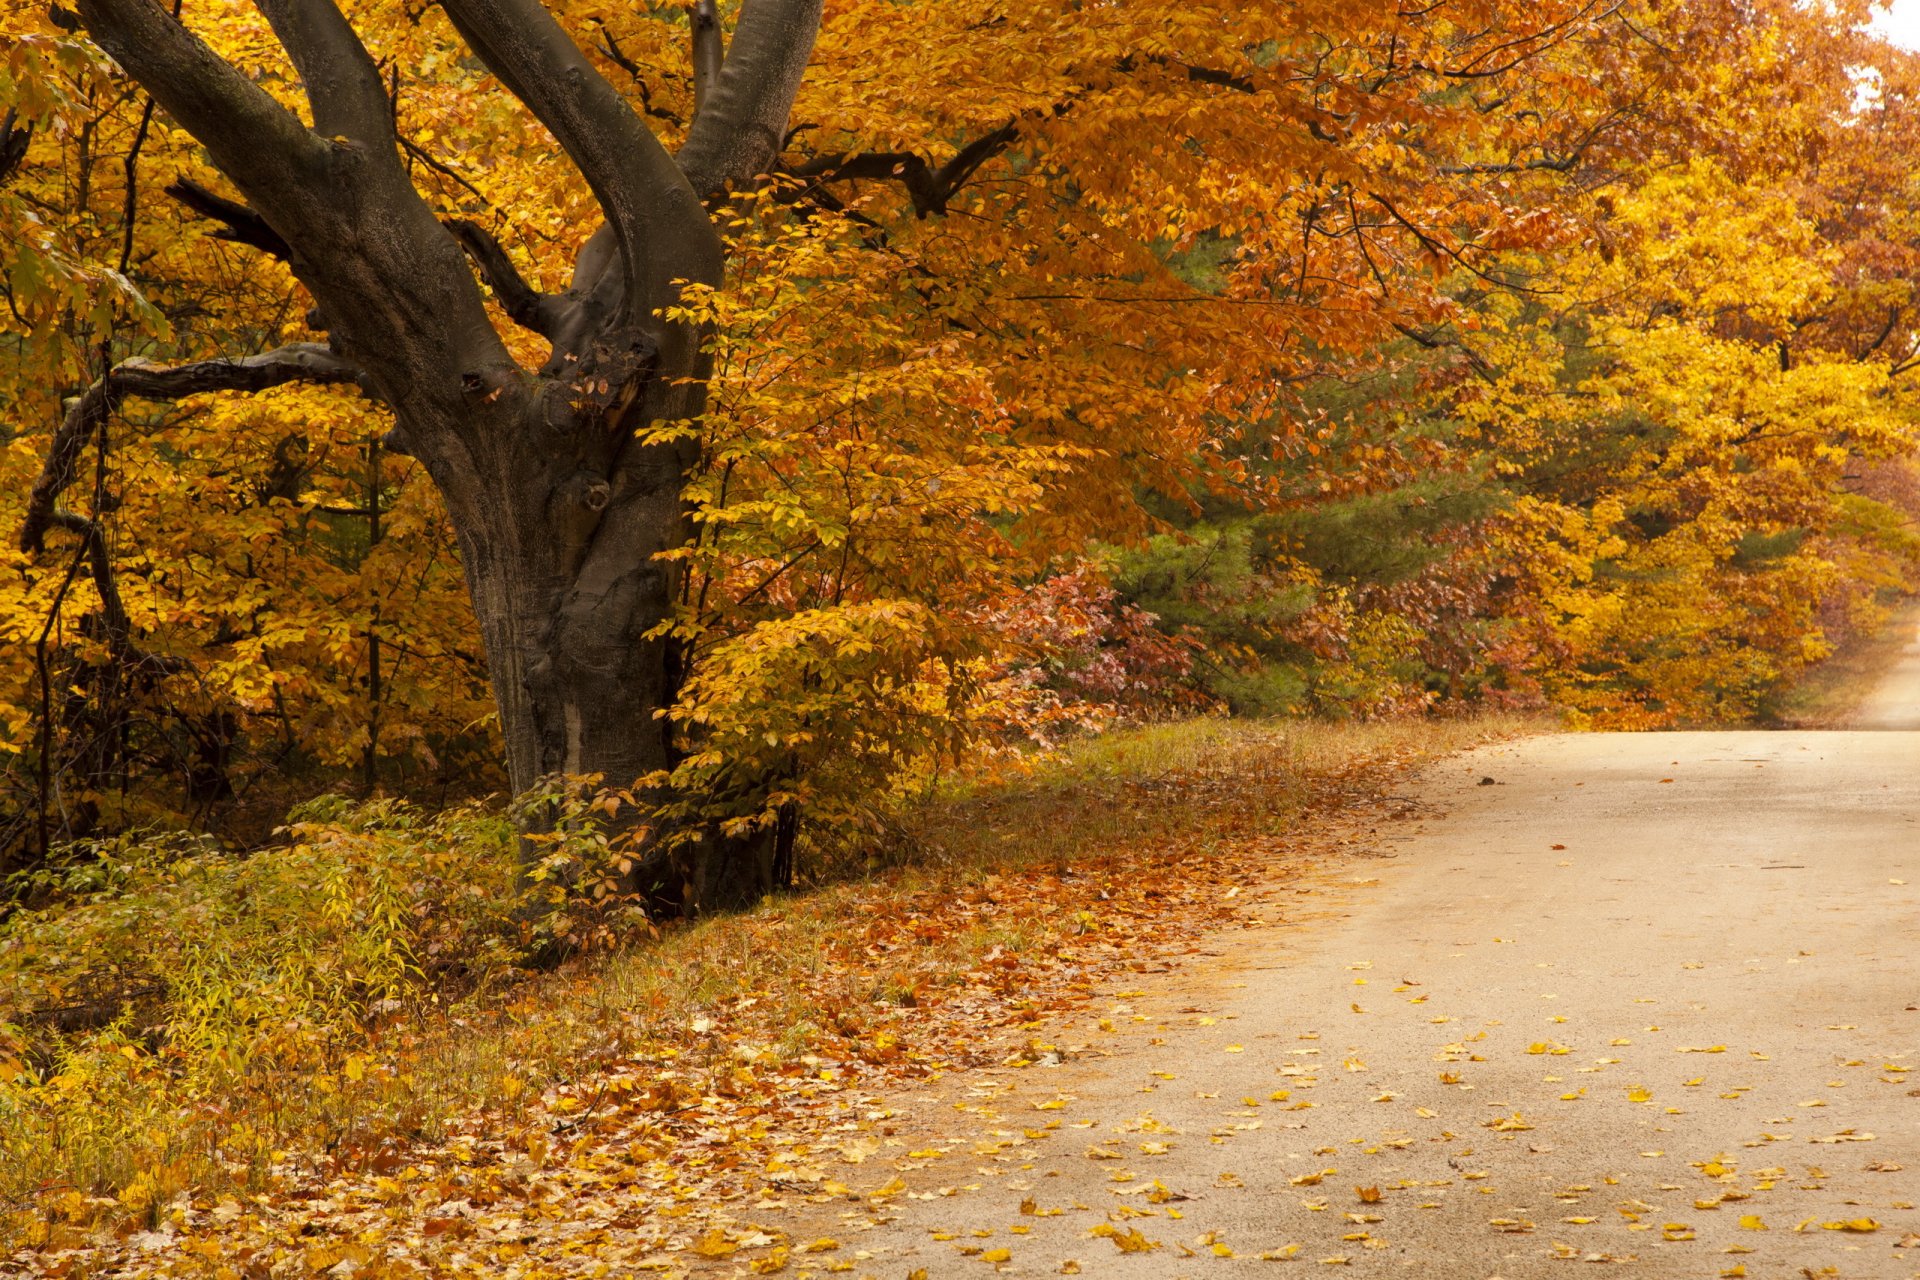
(1070, 369)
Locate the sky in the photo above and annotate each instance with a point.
(1900, 23)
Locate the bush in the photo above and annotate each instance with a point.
(159, 985)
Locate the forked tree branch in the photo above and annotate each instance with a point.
(251, 138)
(738, 131)
(927, 187)
(663, 232)
(524, 305)
(342, 83)
(93, 545)
(296, 362)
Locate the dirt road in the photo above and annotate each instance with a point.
(1895, 700)
(1647, 1001)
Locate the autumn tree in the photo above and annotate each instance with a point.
(968, 304)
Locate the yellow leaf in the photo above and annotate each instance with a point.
(1128, 1241)
(714, 1244)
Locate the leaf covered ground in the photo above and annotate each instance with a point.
(624, 1113)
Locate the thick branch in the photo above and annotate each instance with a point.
(525, 305)
(14, 138)
(342, 83)
(662, 231)
(738, 133)
(251, 138)
(239, 224)
(709, 50)
(296, 362)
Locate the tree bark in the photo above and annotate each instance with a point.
(561, 514)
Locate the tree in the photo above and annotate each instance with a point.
(560, 513)
(1087, 245)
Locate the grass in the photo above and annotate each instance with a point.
(988, 905)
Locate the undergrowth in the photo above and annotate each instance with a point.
(177, 1020)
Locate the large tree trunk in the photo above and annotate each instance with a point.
(562, 511)
(562, 540)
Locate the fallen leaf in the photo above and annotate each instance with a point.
(714, 1244)
(1128, 1241)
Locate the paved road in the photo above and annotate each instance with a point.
(1651, 1001)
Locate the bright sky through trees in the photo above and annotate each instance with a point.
(1900, 23)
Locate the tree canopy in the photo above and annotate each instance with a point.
(760, 406)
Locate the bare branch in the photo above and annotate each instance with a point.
(239, 224)
(525, 305)
(929, 188)
(709, 50)
(738, 132)
(662, 231)
(296, 362)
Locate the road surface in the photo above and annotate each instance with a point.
(1894, 702)
(1649, 1002)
